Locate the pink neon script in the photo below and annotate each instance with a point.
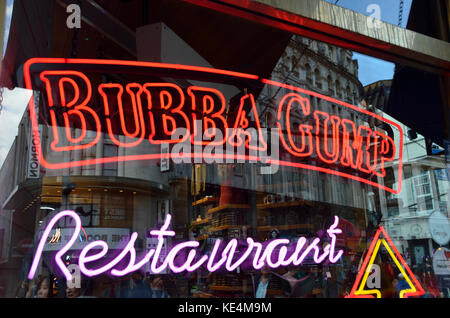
(61, 252)
(98, 250)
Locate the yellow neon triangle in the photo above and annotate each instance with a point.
(361, 290)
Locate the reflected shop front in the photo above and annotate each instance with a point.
(224, 149)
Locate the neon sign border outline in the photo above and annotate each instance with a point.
(63, 165)
(357, 292)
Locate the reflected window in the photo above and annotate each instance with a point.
(331, 88)
(110, 168)
(348, 93)
(338, 91)
(423, 192)
(317, 79)
(308, 74)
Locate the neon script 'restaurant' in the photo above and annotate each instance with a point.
(274, 254)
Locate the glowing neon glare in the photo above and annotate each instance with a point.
(358, 148)
(231, 267)
(269, 250)
(169, 111)
(242, 123)
(322, 139)
(305, 130)
(211, 113)
(295, 258)
(78, 110)
(332, 231)
(95, 251)
(210, 266)
(389, 144)
(137, 113)
(84, 259)
(387, 147)
(349, 159)
(358, 290)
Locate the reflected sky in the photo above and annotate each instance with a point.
(14, 104)
(371, 69)
(389, 9)
(8, 15)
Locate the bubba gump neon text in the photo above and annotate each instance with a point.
(155, 112)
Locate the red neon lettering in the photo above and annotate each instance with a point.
(241, 127)
(355, 146)
(337, 142)
(363, 142)
(63, 95)
(306, 148)
(79, 110)
(210, 103)
(136, 105)
(386, 148)
(166, 116)
(322, 136)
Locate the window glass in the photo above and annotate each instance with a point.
(409, 14)
(160, 149)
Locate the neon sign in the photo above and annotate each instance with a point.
(138, 115)
(233, 254)
(358, 289)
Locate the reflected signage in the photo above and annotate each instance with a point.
(187, 108)
(439, 228)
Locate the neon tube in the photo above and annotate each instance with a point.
(357, 148)
(59, 255)
(98, 250)
(358, 290)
